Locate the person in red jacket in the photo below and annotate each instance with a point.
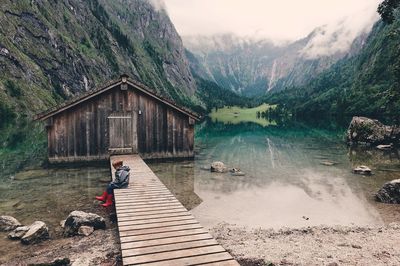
(121, 181)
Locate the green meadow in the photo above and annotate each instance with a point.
(236, 115)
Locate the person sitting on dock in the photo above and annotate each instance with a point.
(121, 181)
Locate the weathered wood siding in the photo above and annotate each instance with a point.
(82, 132)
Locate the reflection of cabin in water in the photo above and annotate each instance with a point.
(121, 117)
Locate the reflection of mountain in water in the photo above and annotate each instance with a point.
(285, 178)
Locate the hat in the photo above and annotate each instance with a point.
(117, 163)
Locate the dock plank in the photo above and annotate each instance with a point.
(155, 228)
(171, 254)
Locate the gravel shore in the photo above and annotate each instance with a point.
(339, 245)
(100, 248)
(319, 245)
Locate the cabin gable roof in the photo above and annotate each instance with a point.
(124, 79)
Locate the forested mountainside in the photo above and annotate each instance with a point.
(366, 84)
(253, 68)
(52, 50)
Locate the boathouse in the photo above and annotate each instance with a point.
(121, 117)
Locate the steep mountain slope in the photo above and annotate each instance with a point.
(51, 50)
(365, 84)
(254, 67)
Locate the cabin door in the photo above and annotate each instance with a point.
(122, 133)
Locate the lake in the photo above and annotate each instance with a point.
(286, 183)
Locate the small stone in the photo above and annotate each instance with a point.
(218, 167)
(8, 223)
(85, 230)
(356, 246)
(4, 51)
(18, 232)
(384, 147)
(362, 170)
(234, 170)
(37, 232)
(62, 223)
(328, 163)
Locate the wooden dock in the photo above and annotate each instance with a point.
(155, 228)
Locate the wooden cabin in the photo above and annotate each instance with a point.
(122, 117)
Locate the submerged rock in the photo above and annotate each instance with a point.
(37, 232)
(218, 167)
(362, 170)
(8, 223)
(18, 232)
(390, 192)
(384, 147)
(236, 172)
(76, 219)
(328, 163)
(366, 131)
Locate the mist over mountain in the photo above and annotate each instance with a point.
(365, 84)
(255, 67)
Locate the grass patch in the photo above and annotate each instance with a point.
(237, 115)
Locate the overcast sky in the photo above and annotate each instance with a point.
(273, 19)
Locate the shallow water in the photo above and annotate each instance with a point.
(48, 195)
(286, 183)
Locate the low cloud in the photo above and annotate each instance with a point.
(338, 37)
(283, 20)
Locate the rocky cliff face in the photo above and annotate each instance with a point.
(51, 50)
(257, 67)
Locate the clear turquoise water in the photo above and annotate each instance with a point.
(286, 183)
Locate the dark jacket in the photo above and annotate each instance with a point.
(122, 176)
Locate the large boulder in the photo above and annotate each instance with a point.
(366, 131)
(8, 223)
(76, 219)
(218, 167)
(37, 232)
(390, 192)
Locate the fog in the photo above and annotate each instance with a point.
(338, 22)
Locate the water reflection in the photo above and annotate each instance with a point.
(286, 182)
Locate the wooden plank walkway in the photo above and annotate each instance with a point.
(155, 228)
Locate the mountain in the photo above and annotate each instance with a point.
(367, 83)
(255, 67)
(53, 50)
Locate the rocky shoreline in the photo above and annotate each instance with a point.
(318, 245)
(100, 248)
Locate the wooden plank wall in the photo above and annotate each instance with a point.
(81, 133)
